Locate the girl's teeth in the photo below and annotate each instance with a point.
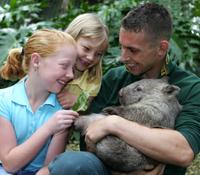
(61, 82)
(131, 65)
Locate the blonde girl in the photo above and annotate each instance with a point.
(91, 36)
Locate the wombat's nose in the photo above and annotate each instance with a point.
(120, 93)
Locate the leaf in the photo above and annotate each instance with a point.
(81, 103)
(175, 51)
(7, 41)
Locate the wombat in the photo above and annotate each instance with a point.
(150, 102)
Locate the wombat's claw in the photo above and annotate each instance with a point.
(110, 110)
(149, 167)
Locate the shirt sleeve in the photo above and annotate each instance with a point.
(188, 121)
(4, 104)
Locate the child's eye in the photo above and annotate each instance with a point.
(63, 66)
(99, 55)
(86, 48)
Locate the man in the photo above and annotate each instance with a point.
(144, 38)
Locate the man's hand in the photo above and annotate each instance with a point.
(94, 133)
(158, 170)
(98, 129)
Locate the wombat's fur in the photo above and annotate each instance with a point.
(150, 102)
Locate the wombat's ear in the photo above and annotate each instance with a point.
(165, 79)
(171, 90)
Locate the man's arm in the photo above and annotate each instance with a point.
(164, 145)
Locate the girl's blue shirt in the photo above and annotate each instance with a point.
(15, 107)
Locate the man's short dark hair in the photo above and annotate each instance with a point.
(152, 19)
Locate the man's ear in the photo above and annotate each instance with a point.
(164, 45)
(35, 59)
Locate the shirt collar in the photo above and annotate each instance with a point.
(165, 69)
(168, 68)
(19, 95)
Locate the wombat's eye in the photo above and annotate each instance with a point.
(138, 88)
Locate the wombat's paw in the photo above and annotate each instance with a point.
(110, 110)
(81, 124)
(149, 167)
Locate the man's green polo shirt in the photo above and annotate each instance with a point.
(187, 123)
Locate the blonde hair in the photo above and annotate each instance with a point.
(44, 42)
(88, 25)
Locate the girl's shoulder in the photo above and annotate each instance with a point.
(6, 92)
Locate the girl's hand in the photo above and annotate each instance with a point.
(66, 99)
(61, 120)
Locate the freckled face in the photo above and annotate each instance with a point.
(57, 70)
(89, 52)
(137, 54)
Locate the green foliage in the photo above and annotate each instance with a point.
(81, 103)
(194, 169)
(73, 10)
(185, 35)
(184, 48)
(17, 21)
(20, 18)
(185, 45)
(111, 14)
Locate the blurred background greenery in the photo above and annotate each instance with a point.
(19, 18)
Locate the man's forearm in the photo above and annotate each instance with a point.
(164, 145)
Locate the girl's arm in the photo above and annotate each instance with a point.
(57, 146)
(14, 156)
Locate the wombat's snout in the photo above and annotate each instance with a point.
(121, 93)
